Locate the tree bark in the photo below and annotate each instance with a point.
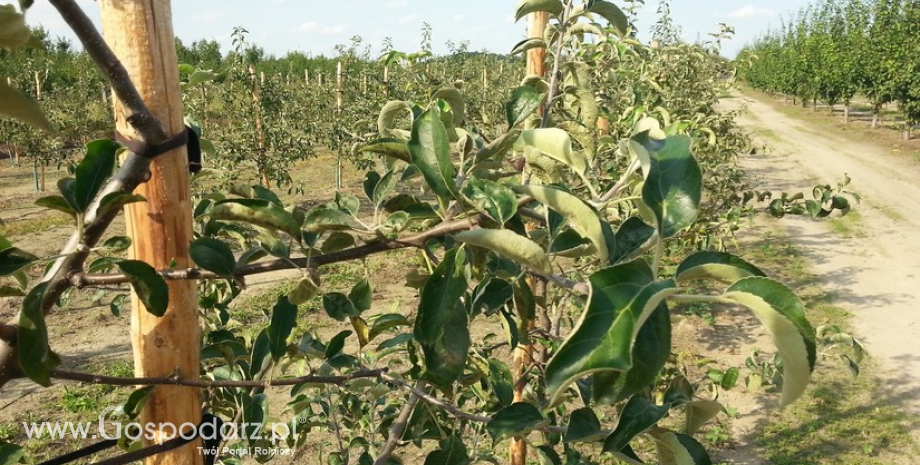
(140, 33)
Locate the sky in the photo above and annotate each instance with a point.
(317, 26)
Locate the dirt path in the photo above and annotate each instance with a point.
(874, 273)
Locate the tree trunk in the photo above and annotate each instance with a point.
(875, 116)
(140, 33)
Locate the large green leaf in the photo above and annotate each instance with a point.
(524, 101)
(649, 354)
(56, 202)
(114, 200)
(681, 449)
(622, 299)
(91, 173)
(456, 101)
(284, 319)
(583, 426)
(783, 314)
(489, 197)
(580, 215)
(499, 146)
(10, 454)
(441, 327)
(35, 356)
(390, 147)
(526, 7)
(13, 259)
(149, 286)
(612, 13)
(556, 144)
(699, 412)
(517, 419)
(715, 265)
(638, 415)
(17, 105)
(451, 451)
(674, 186)
(321, 218)
(388, 114)
(525, 45)
(213, 255)
(430, 153)
(632, 238)
(259, 212)
(509, 244)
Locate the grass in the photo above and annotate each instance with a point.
(32, 225)
(848, 226)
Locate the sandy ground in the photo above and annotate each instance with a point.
(876, 273)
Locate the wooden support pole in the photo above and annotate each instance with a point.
(140, 33)
(523, 354)
(339, 88)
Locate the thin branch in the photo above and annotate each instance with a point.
(452, 409)
(399, 425)
(174, 380)
(563, 25)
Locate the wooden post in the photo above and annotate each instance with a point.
(485, 78)
(140, 33)
(38, 86)
(319, 79)
(260, 134)
(523, 354)
(339, 102)
(306, 76)
(386, 79)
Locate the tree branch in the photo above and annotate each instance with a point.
(399, 425)
(174, 380)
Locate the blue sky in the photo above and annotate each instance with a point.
(316, 26)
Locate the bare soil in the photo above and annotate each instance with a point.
(869, 264)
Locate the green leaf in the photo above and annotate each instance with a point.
(674, 185)
(386, 322)
(521, 47)
(499, 146)
(681, 449)
(35, 356)
(338, 306)
(91, 173)
(430, 151)
(198, 77)
(699, 412)
(390, 147)
(67, 187)
(501, 381)
(13, 259)
(638, 415)
(336, 344)
(524, 100)
(632, 238)
(508, 244)
(715, 265)
(284, 319)
(495, 200)
(612, 13)
(556, 144)
(17, 105)
(114, 200)
(583, 426)
(547, 455)
(360, 295)
(136, 400)
(116, 244)
(261, 355)
(10, 454)
(118, 304)
(149, 286)
(452, 451)
(783, 314)
(525, 7)
(337, 241)
(259, 212)
(455, 99)
(622, 299)
(321, 218)
(213, 255)
(516, 420)
(441, 327)
(388, 114)
(649, 355)
(581, 216)
(305, 291)
(56, 202)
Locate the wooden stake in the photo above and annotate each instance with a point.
(38, 86)
(523, 354)
(140, 33)
(339, 89)
(260, 133)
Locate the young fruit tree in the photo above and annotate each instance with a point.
(568, 237)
